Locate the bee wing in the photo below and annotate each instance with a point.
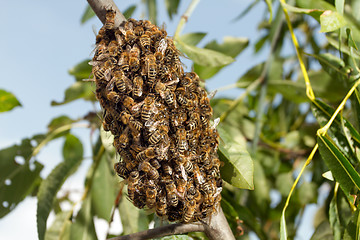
(216, 122)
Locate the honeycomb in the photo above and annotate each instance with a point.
(160, 119)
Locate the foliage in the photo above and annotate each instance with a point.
(286, 138)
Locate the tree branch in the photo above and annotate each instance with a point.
(101, 6)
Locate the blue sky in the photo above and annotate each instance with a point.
(41, 40)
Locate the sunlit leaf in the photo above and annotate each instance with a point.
(323, 231)
(107, 140)
(83, 228)
(202, 56)
(331, 21)
(192, 38)
(60, 229)
(334, 218)
(7, 101)
(79, 90)
(315, 13)
(18, 176)
(73, 154)
(231, 46)
(132, 219)
(129, 11)
(328, 175)
(238, 169)
(344, 49)
(88, 14)
(81, 70)
(248, 9)
(103, 192)
(341, 168)
(172, 7)
(284, 182)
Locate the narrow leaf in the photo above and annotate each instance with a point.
(88, 14)
(238, 169)
(152, 11)
(60, 229)
(129, 11)
(78, 90)
(7, 101)
(192, 38)
(81, 70)
(73, 154)
(204, 57)
(83, 228)
(269, 4)
(342, 170)
(172, 7)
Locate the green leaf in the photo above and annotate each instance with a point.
(7, 101)
(307, 193)
(59, 122)
(60, 229)
(132, 219)
(73, 154)
(284, 182)
(152, 11)
(323, 231)
(81, 70)
(283, 230)
(18, 176)
(107, 140)
(172, 7)
(204, 57)
(232, 46)
(341, 168)
(334, 218)
(129, 11)
(83, 228)
(331, 21)
(175, 237)
(88, 14)
(238, 169)
(103, 190)
(192, 38)
(269, 4)
(78, 90)
(343, 48)
(315, 13)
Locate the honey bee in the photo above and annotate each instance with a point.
(131, 105)
(205, 120)
(198, 176)
(188, 166)
(130, 37)
(138, 86)
(148, 107)
(181, 140)
(178, 118)
(122, 82)
(161, 205)
(124, 138)
(167, 169)
(139, 31)
(151, 193)
(110, 19)
(150, 63)
(101, 73)
(189, 211)
(180, 96)
(132, 183)
(113, 48)
(155, 163)
(124, 61)
(121, 170)
(207, 188)
(171, 194)
(100, 50)
(147, 154)
(119, 39)
(162, 46)
(194, 120)
(107, 120)
(148, 169)
(158, 134)
(134, 55)
(181, 187)
(113, 96)
(145, 41)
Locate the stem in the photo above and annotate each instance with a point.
(101, 6)
(184, 18)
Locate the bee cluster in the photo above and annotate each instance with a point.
(160, 119)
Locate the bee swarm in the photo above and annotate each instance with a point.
(160, 119)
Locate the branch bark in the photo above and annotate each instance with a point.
(101, 6)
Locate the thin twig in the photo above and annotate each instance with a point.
(101, 6)
(184, 18)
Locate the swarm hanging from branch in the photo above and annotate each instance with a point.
(160, 119)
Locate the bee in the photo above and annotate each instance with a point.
(181, 140)
(167, 170)
(119, 39)
(107, 120)
(132, 183)
(161, 205)
(124, 61)
(139, 31)
(207, 188)
(165, 93)
(101, 73)
(113, 48)
(180, 96)
(130, 37)
(124, 138)
(188, 166)
(155, 163)
(181, 187)
(138, 86)
(134, 55)
(148, 107)
(162, 46)
(205, 120)
(131, 105)
(148, 169)
(113, 97)
(122, 82)
(171, 194)
(158, 134)
(100, 50)
(194, 120)
(147, 154)
(178, 118)
(110, 19)
(189, 211)
(151, 193)
(198, 176)
(150, 63)
(121, 170)
(145, 41)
